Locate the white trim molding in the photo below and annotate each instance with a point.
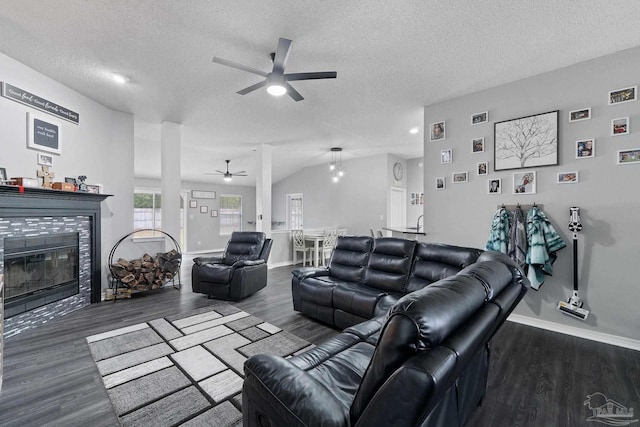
(576, 332)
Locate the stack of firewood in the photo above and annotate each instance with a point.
(147, 272)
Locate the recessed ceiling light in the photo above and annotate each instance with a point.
(119, 78)
(414, 130)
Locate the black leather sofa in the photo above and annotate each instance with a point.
(240, 272)
(366, 276)
(425, 363)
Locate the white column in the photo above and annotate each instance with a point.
(263, 188)
(170, 137)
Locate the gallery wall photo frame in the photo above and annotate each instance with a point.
(204, 209)
(579, 115)
(199, 194)
(193, 203)
(441, 183)
(446, 156)
(477, 145)
(567, 177)
(214, 213)
(629, 156)
(620, 126)
(585, 148)
(44, 159)
(479, 118)
(437, 131)
(526, 142)
(627, 94)
(482, 168)
(494, 186)
(43, 133)
(460, 177)
(525, 182)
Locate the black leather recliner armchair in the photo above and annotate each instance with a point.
(240, 272)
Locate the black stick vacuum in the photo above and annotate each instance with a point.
(573, 306)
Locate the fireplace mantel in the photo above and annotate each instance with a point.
(17, 202)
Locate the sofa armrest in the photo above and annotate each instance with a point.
(201, 260)
(247, 263)
(306, 272)
(286, 395)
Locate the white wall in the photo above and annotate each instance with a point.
(100, 146)
(607, 194)
(415, 184)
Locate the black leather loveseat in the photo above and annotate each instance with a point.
(366, 276)
(240, 272)
(424, 363)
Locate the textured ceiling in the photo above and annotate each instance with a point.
(392, 57)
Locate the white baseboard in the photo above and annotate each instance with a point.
(576, 332)
(206, 251)
(280, 264)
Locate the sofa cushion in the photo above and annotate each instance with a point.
(350, 258)
(436, 261)
(356, 298)
(390, 264)
(244, 245)
(317, 290)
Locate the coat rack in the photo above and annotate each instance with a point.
(523, 207)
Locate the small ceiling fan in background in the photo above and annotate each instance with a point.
(277, 81)
(228, 176)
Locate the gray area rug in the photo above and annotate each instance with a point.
(185, 370)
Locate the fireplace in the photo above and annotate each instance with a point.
(39, 270)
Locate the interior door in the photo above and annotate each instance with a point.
(397, 208)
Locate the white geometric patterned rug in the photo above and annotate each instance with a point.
(185, 370)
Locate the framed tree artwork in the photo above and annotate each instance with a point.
(526, 142)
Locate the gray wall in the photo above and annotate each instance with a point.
(100, 146)
(607, 193)
(415, 184)
(356, 203)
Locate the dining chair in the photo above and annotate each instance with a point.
(299, 245)
(373, 233)
(328, 243)
(379, 233)
(342, 231)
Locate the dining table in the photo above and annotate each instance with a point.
(316, 238)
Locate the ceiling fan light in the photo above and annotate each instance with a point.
(227, 178)
(276, 90)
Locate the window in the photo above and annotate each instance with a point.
(294, 211)
(230, 213)
(147, 210)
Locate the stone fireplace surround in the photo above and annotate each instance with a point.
(37, 211)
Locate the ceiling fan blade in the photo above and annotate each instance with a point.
(293, 93)
(311, 76)
(282, 54)
(246, 90)
(212, 173)
(219, 171)
(239, 172)
(239, 66)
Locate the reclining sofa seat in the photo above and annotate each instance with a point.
(240, 272)
(366, 276)
(424, 364)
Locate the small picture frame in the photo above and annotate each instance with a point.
(71, 180)
(478, 118)
(494, 186)
(92, 188)
(446, 156)
(43, 134)
(620, 126)
(45, 159)
(440, 183)
(524, 182)
(193, 203)
(460, 177)
(3, 176)
(579, 115)
(477, 145)
(626, 94)
(567, 177)
(437, 131)
(585, 148)
(214, 213)
(204, 209)
(482, 168)
(629, 156)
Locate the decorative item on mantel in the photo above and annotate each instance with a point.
(64, 186)
(46, 176)
(82, 186)
(25, 182)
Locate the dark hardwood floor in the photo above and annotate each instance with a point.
(537, 378)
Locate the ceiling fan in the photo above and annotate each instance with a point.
(277, 81)
(228, 176)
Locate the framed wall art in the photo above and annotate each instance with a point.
(437, 131)
(440, 183)
(460, 177)
(629, 156)
(214, 213)
(482, 168)
(524, 182)
(620, 126)
(526, 142)
(45, 159)
(626, 94)
(494, 186)
(578, 115)
(477, 145)
(197, 194)
(43, 134)
(204, 209)
(193, 203)
(567, 177)
(585, 148)
(446, 156)
(478, 118)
